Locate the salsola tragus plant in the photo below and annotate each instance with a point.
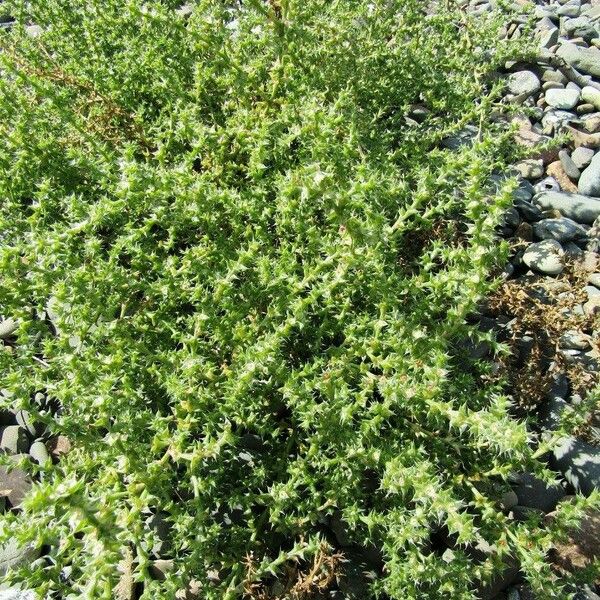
(242, 277)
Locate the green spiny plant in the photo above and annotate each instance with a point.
(242, 273)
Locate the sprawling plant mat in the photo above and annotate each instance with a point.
(242, 279)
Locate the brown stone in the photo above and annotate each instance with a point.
(530, 168)
(191, 592)
(589, 262)
(582, 547)
(530, 139)
(585, 109)
(592, 307)
(557, 171)
(524, 232)
(160, 568)
(14, 483)
(58, 446)
(581, 138)
(552, 213)
(522, 122)
(592, 123)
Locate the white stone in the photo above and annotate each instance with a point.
(563, 99)
(523, 83)
(546, 256)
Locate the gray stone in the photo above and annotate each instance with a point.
(7, 417)
(593, 244)
(575, 311)
(591, 10)
(550, 411)
(575, 340)
(162, 534)
(548, 12)
(586, 60)
(464, 137)
(579, 462)
(532, 492)
(7, 328)
(523, 83)
(548, 32)
(559, 386)
(569, 9)
(589, 182)
(14, 439)
(524, 346)
(354, 577)
(251, 441)
(523, 194)
(584, 594)
(546, 256)
(530, 212)
(548, 38)
(591, 95)
(419, 112)
(556, 118)
(591, 291)
(39, 453)
(554, 75)
(562, 99)
(513, 594)
(511, 218)
(578, 207)
(13, 554)
(587, 361)
(552, 85)
(582, 157)
(561, 230)
(509, 499)
(579, 27)
(568, 165)
(572, 250)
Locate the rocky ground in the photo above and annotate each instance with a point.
(547, 310)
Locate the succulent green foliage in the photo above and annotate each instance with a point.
(258, 276)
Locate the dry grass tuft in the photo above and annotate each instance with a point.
(300, 582)
(543, 309)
